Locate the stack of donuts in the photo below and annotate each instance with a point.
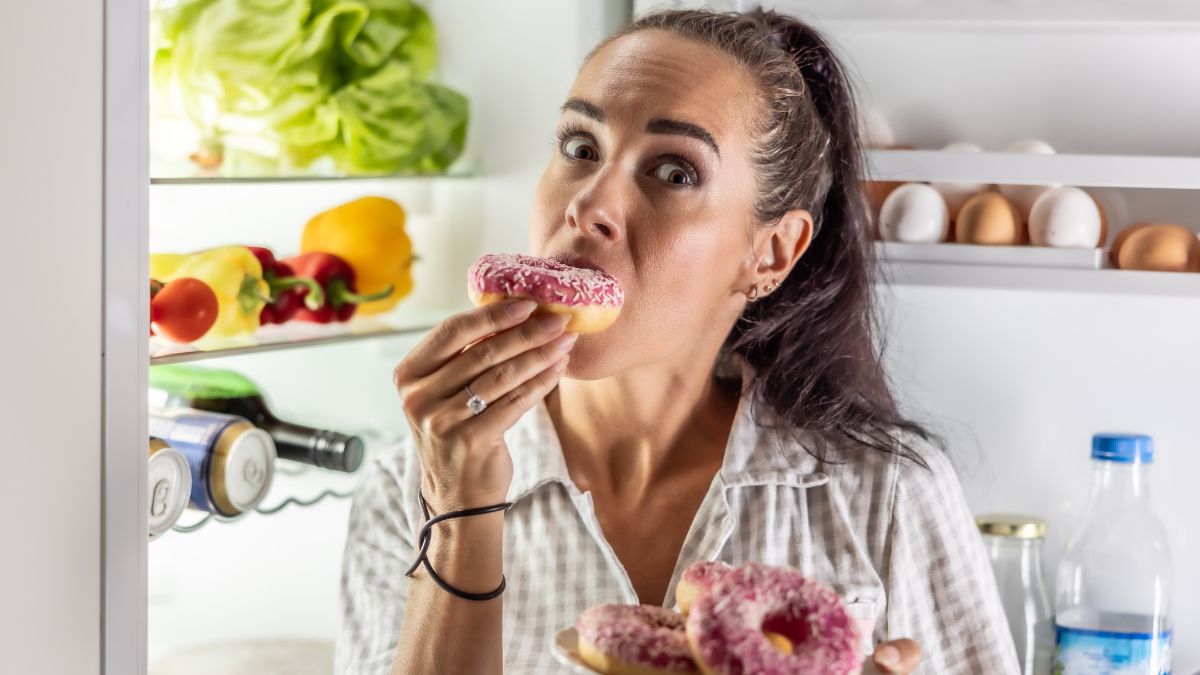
(748, 619)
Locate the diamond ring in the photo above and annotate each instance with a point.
(476, 404)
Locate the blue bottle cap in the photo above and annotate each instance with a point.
(1123, 448)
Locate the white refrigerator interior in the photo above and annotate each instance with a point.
(229, 593)
(1015, 366)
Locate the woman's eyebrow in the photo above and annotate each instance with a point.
(665, 126)
(584, 108)
(656, 126)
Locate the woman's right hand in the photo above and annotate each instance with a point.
(509, 360)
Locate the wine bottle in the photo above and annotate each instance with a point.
(228, 392)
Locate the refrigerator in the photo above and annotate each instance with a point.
(1016, 363)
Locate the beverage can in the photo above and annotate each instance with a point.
(231, 461)
(170, 483)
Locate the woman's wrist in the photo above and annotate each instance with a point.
(468, 553)
(442, 501)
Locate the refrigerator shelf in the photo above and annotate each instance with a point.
(1004, 256)
(997, 15)
(295, 485)
(297, 334)
(263, 511)
(310, 178)
(1122, 171)
(1053, 279)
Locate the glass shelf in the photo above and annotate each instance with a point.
(299, 334)
(310, 178)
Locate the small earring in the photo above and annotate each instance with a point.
(753, 295)
(770, 287)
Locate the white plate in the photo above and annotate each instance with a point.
(566, 650)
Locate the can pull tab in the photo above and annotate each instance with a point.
(158, 498)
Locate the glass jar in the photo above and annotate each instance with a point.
(1014, 545)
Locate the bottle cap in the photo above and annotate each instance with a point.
(1123, 448)
(1011, 525)
(340, 452)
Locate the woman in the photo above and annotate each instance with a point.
(736, 410)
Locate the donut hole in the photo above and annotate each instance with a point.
(784, 632)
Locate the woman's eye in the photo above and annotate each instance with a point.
(577, 147)
(675, 174)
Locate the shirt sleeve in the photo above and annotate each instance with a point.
(940, 585)
(379, 549)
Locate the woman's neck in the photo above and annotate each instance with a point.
(626, 434)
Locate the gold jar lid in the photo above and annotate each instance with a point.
(1011, 525)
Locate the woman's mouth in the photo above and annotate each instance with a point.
(576, 260)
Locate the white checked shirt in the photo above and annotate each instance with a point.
(894, 539)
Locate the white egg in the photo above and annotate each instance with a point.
(874, 129)
(957, 194)
(914, 213)
(1065, 217)
(1030, 146)
(1023, 196)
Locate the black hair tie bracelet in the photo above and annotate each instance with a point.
(426, 535)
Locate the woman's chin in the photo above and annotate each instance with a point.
(592, 358)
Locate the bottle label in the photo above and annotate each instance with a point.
(1100, 652)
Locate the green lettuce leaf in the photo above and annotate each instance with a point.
(292, 81)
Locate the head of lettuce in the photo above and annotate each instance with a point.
(275, 85)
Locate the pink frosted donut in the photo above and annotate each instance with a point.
(728, 626)
(591, 298)
(634, 640)
(696, 580)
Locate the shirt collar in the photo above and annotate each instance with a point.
(755, 455)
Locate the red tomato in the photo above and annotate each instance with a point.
(183, 310)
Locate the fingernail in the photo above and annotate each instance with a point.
(565, 342)
(887, 655)
(521, 309)
(553, 323)
(562, 364)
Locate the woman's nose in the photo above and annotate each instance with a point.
(598, 209)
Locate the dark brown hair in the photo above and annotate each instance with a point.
(813, 342)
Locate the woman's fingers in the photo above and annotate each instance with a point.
(495, 383)
(453, 335)
(505, 411)
(499, 353)
(897, 656)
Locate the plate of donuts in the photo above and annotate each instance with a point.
(566, 650)
(749, 619)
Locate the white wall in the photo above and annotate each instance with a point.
(50, 336)
(1018, 382)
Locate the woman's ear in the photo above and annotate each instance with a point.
(780, 246)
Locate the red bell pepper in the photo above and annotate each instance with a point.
(288, 291)
(336, 276)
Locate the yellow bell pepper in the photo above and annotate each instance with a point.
(367, 233)
(232, 272)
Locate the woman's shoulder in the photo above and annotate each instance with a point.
(871, 478)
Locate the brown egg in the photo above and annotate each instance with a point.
(1119, 241)
(877, 191)
(988, 218)
(1159, 247)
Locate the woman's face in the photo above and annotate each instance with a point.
(651, 181)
